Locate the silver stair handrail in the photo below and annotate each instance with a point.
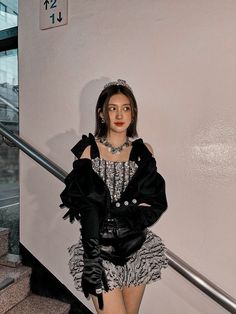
(201, 282)
(6, 102)
(33, 153)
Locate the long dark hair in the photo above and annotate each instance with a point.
(103, 100)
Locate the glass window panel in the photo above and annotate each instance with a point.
(8, 14)
(9, 116)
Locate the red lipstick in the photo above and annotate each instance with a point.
(119, 123)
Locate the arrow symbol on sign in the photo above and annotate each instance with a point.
(46, 2)
(60, 17)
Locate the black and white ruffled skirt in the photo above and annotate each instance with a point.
(143, 267)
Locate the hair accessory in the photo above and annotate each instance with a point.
(118, 82)
(112, 149)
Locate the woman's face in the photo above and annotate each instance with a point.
(119, 112)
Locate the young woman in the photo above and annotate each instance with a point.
(116, 192)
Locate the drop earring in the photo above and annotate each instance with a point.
(102, 120)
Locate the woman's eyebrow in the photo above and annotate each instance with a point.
(117, 105)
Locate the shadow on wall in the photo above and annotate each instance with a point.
(87, 104)
(63, 142)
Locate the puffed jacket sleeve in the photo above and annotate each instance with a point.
(84, 198)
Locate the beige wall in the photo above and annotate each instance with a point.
(179, 58)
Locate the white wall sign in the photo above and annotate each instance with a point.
(53, 13)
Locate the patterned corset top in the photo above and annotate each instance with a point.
(116, 174)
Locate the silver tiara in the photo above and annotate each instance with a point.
(118, 82)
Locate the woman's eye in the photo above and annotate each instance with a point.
(126, 108)
(111, 108)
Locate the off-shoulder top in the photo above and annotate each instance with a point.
(116, 174)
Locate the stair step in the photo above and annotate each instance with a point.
(15, 273)
(11, 260)
(4, 234)
(13, 293)
(6, 282)
(35, 304)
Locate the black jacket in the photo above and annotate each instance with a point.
(88, 198)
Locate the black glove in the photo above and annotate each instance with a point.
(93, 276)
(72, 214)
